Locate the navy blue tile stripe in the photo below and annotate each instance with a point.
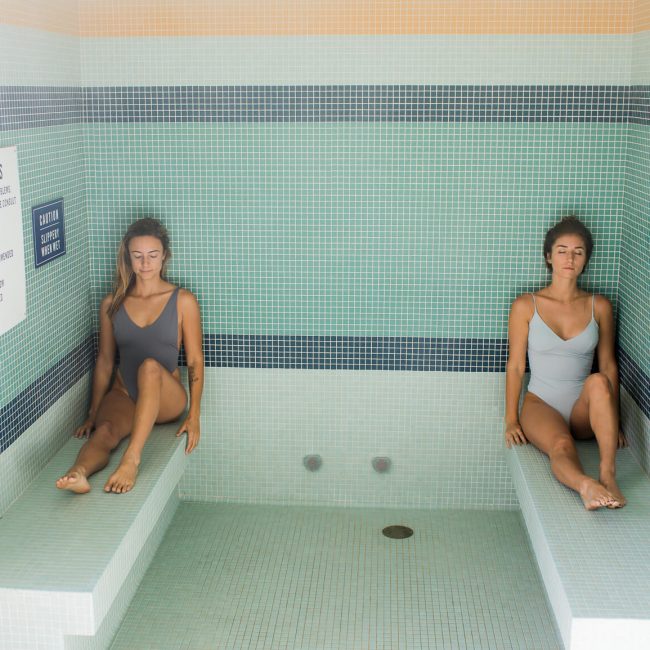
(27, 107)
(639, 105)
(31, 106)
(357, 104)
(634, 380)
(355, 353)
(19, 414)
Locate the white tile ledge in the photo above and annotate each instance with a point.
(64, 557)
(594, 564)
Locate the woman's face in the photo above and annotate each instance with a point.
(568, 256)
(147, 256)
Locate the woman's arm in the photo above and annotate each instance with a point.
(103, 368)
(605, 351)
(515, 368)
(193, 343)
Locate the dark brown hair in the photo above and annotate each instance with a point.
(570, 225)
(124, 276)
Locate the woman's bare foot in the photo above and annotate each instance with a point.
(75, 481)
(123, 478)
(610, 484)
(594, 495)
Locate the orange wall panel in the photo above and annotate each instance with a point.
(309, 17)
(110, 18)
(60, 17)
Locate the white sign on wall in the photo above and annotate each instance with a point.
(12, 254)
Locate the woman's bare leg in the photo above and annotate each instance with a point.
(114, 418)
(595, 414)
(547, 430)
(161, 398)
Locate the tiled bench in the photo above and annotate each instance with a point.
(69, 564)
(595, 565)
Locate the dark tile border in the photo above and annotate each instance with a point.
(19, 414)
(355, 353)
(357, 104)
(24, 107)
(639, 105)
(28, 107)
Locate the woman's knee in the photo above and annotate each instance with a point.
(106, 436)
(562, 446)
(150, 370)
(598, 386)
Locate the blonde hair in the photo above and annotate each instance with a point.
(124, 276)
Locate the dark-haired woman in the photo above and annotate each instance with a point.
(147, 319)
(561, 327)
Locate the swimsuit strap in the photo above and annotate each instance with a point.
(593, 300)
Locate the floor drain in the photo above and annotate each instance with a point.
(397, 532)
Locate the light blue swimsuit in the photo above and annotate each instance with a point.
(558, 367)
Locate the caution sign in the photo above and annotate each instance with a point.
(49, 232)
(12, 254)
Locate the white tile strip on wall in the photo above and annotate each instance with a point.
(442, 430)
(432, 59)
(636, 427)
(21, 462)
(38, 58)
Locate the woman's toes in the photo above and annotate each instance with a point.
(74, 482)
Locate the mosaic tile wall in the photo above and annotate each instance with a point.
(41, 109)
(347, 191)
(634, 291)
(352, 191)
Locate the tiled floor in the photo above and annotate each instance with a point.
(241, 577)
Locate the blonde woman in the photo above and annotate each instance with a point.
(147, 319)
(561, 327)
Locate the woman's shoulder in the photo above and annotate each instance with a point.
(601, 300)
(602, 306)
(105, 307)
(524, 298)
(523, 304)
(186, 298)
(185, 294)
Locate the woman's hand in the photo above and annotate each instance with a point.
(622, 440)
(191, 426)
(85, 429)
(514, 435)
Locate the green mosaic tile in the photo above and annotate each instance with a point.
(357, 229)
(635, 252)
(52, 165)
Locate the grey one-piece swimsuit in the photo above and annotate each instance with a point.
(157, 341)
(559, 367)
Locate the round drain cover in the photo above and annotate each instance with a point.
(397, 532)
